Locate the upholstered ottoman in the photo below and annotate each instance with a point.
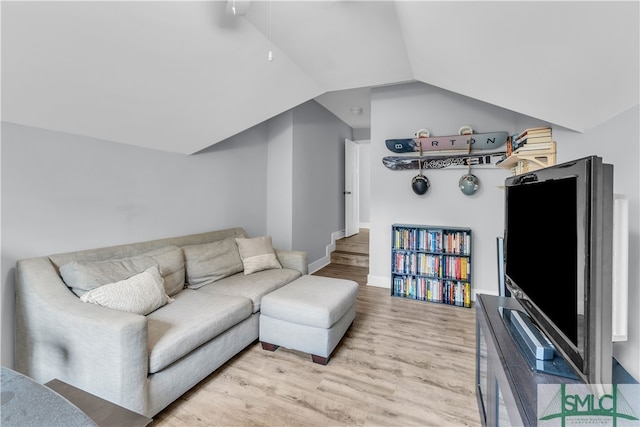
(310, 314)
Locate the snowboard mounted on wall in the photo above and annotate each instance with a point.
(443, 161)
(479, 141)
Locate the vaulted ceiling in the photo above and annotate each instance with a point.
(181, 76)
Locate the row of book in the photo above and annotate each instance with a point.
(531, 139)
(445, 241)
(442, 291)
(451, 267)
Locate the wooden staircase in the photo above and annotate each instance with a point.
(353, 250)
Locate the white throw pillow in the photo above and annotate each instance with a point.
(139, 294)
(257, 254)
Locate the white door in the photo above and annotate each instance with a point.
(351, 189)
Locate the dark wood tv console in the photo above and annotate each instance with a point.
(506, 386)
(102, 412)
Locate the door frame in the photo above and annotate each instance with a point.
(351, 188)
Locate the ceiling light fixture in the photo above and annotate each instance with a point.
(356, 110)
(237, 8)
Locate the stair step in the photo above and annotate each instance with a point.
(350, 258)
(345, 245)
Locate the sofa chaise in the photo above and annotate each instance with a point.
(70, 323)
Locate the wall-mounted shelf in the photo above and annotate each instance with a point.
(521, 161)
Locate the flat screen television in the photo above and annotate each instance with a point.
(558, 241)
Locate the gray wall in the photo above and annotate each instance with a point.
(362, 134)
(617, 142)
(398, 111)
(318, 177)
(63, 192)
(280, 180)
(364, 152)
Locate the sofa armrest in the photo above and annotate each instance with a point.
(97, 349)
(295, 260)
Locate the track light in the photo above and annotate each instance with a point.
(270, 55)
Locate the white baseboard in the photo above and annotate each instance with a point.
(319, 264)
(326, 260)
(474, 294)
(379, 281)
(366, 225)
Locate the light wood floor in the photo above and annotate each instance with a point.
(402, 363)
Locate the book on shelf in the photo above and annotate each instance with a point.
(534, 140)
(542, 146)
(456, 268)
(450, 292)
(432, 264)
(532, 135)
(457, 243)
(536, 131)
(431, 241)
(437, 266)
(524, 166)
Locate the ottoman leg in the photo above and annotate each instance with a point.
(319, 359)
(269, 347)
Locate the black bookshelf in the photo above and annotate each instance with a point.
(431, 263)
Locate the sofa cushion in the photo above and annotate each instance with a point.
(254, 286)
(82, 277)
(193, 319)
(170, 259)
(210, 262)
(257, 254)
(139, 294)
(312, 301)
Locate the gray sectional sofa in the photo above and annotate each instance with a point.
(208, 312)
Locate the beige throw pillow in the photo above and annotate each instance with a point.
(139, 294)
(257, 254)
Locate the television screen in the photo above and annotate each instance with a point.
(543, 229)
(558, 258)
